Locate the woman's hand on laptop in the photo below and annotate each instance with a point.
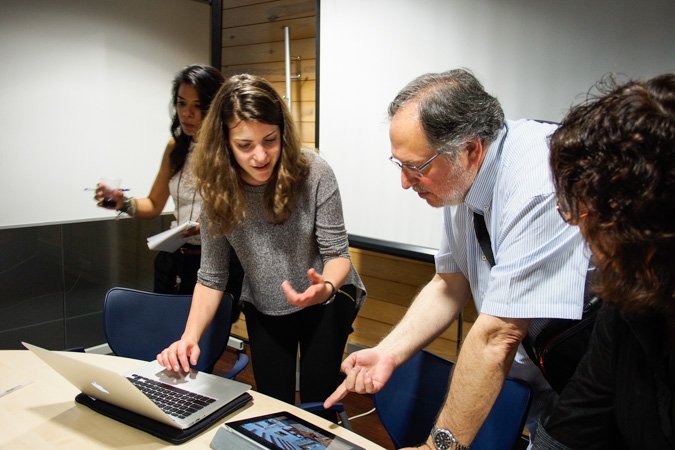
(179, 355)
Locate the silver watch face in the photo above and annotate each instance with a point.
(443, 439)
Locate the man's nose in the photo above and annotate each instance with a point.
(407, 181)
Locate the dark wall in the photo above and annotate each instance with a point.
(53, 278)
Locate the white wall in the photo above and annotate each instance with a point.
(536, 56)
(85, 88)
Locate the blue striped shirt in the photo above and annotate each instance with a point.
(540, 262)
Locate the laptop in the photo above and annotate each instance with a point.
(147, 389)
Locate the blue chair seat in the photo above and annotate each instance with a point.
(140, 324)
(410, 401)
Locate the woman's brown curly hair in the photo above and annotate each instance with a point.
(218, 176)
(614, 157)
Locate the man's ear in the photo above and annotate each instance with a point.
(475, 151)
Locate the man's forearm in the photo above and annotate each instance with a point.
(483, 363)
(433, 310)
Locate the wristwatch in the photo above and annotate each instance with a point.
(444, 440)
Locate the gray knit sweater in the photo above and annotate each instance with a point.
(313, 234)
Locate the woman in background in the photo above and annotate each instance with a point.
(193, 90)
(279, 208)
(613, 160)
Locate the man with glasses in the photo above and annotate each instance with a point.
(456, 151)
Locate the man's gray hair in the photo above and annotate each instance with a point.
(453, 108)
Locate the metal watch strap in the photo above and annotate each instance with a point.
(444, 440)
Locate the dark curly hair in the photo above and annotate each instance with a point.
(614, 158)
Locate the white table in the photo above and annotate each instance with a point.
(44, 414)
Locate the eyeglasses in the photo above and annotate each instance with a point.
(417, 171)
(566, 215)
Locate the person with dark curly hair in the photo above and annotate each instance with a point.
(278, 206)
(613, 161)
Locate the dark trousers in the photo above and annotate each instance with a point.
(176, 273)
(319, 331)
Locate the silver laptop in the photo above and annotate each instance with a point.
(147, 388)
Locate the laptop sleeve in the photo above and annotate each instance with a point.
(158, 429)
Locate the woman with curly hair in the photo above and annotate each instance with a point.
(278, 206)
(613, 160)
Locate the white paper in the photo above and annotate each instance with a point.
(171, 239)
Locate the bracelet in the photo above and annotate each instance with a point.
(129, 206)
(332, 294)
(132, 207)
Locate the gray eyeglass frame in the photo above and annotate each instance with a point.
(417, 170)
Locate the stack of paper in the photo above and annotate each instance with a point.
(171, 239)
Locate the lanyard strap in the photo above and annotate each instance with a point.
(483, 237)
(479, 221)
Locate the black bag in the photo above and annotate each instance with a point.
(158, 429)
(559, 347)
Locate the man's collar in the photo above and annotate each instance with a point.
(479, 197)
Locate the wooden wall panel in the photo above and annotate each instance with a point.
(274, 72)
(380, 265)
(392, 283)
(237, 15)
(239, 328)
(385, 312)
(390, 290)
(301, 28)
(253, 42)
(239, 3)
(302, 111)
(307, 133)
(269, 52)
(302, 91)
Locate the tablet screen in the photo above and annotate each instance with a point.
(284, 431)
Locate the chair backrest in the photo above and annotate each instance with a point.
(409, 403)
(140, 324)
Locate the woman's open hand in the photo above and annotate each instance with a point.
(318, 292)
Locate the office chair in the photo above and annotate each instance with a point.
(409, 403)
(140, 324)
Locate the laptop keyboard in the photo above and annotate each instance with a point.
(170, 399)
